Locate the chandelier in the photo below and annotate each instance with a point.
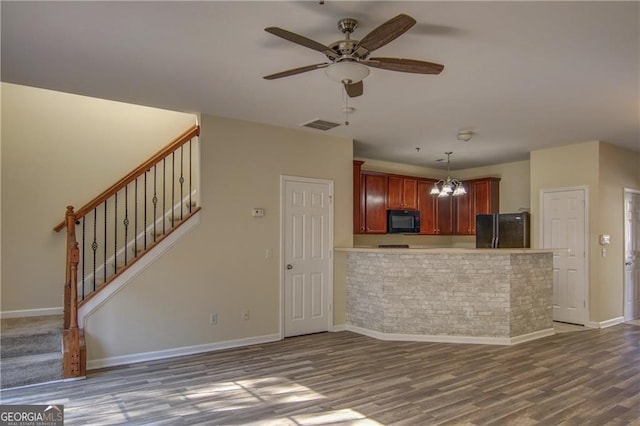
(448, 186)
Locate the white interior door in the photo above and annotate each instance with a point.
(564, 227)
(307, 249)
(632, 255)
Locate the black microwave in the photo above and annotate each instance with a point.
(403, 221)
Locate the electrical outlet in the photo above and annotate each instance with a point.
(245, 315)
(213, 319)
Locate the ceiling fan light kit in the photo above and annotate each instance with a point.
(347, 72)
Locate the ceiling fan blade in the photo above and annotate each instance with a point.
(355, 89)
(386, 32)
(405, 65)
(295, 71)
(301, 40)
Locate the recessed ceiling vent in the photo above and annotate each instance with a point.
(320, 124)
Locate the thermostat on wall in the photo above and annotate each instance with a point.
(256, 212)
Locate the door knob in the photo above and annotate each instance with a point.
(628, 263)
(289, 266)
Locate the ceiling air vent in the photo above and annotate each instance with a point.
(319, 124)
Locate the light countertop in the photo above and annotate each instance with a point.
(446, 250)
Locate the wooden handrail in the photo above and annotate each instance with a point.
(139, 171)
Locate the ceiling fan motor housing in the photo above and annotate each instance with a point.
(347, 25)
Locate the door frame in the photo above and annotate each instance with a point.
(624, 245)
(587, 257)
(281, 261)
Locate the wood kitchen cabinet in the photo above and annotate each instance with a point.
(436, 213)
(375, 192)
(358, 210)
(483, 196)
(402, 193)
(374, 189)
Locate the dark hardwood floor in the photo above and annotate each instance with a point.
(589, 377)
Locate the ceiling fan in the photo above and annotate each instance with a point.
(349, 59)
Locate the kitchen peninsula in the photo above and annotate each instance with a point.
(490, 296)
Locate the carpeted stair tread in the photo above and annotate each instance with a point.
(30, 350)
(31, 369)
(29, 325)
(31, 344)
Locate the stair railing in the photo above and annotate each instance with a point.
(120, 225)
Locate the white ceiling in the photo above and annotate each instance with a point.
(521, 75)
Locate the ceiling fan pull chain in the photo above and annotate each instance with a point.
(346, 106)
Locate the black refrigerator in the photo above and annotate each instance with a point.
(506, 230)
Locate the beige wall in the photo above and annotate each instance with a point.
(514, 197)
(220, 266)
(60, 149)
(619, 169)
(564, 167)
(514, 183)
(605, 171)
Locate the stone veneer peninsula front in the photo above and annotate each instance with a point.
(491, 296)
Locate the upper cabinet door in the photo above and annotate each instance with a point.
(410, 193)
(483, 197)
(375, 205)
(487, 199)
(427, 207)
(358, 198)
(402, 193)
(465, 215)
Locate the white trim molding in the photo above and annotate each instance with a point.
(478, 340)
(41, 312)
(182, 351)
(607, 323)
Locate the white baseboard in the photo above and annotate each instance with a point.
(31, 312)
(533, 336)
(186, 350)
(478, 340)
(604, 324)
(340, 327)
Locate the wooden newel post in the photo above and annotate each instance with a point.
(74, 260)
(70, 219)
(72, 364)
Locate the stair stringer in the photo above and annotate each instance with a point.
(101, 297)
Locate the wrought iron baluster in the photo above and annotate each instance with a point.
(190, 174)
(115, 233)
(181, 180)
(144, 230)
(173, 188)
(135, 220)
(84, 258)
(94, 245)
(126, 222)
(155, 200)
(104, 250)
(164, 195)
